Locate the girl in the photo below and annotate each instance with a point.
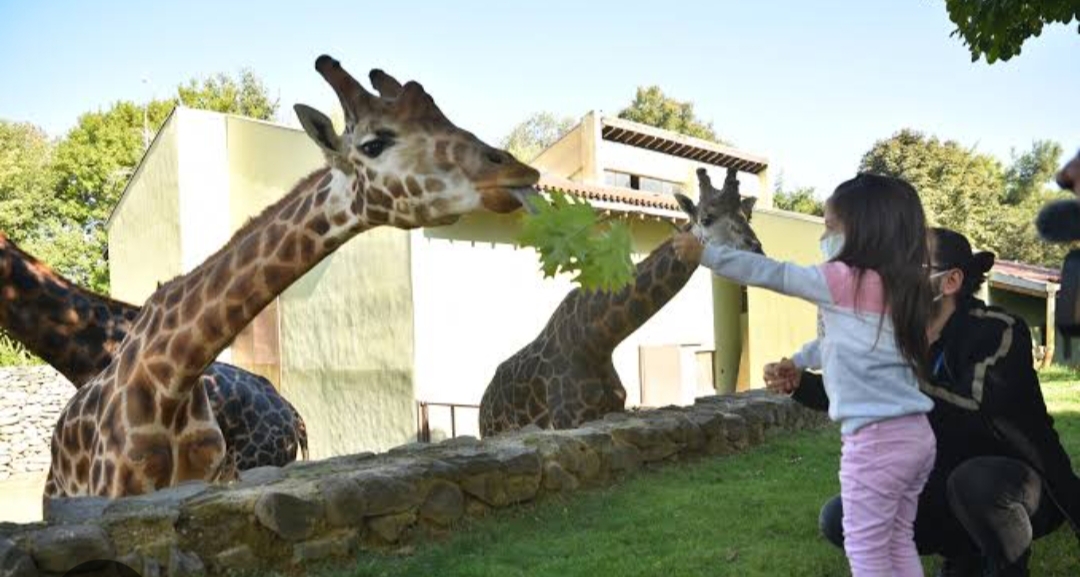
(874, 299)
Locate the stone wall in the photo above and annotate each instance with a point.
(287, 519)
(31, 399)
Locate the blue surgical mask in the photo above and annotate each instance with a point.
(832, 245)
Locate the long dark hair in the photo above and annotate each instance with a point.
(885, 231)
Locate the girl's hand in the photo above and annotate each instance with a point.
(687, 248)
(782, 377)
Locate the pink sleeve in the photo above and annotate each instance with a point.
(867, 295)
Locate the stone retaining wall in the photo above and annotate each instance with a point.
(285, 519)
(31, 399)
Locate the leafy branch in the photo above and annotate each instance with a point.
(570, 238)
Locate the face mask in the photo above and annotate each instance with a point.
(832, 245)
(937, 287)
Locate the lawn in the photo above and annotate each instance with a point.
(753, 514)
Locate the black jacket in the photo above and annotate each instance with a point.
(987, 402)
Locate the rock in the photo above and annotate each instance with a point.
(183, 564)
(461, 441)
(556, 478)
(240, 557)
(58, 549)
(74, 510)
(15, 562)
(261, 476)
(338, 544)
(350, 499)
(445, 504)
(292, 518)
(390, 527)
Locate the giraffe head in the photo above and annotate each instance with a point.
(721, 216)
(427, 171)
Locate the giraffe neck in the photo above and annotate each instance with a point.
(608, 318)
(190, 320)
(72, 329)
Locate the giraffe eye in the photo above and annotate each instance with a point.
(373, 148)
(706, 220)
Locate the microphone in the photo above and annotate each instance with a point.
(1059, 221)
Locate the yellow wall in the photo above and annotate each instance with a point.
(780, 325)
(144, 233)
(345, 327)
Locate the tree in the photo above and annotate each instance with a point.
(1031, 170)
(651, 106)
(997, 29)
(26, 180)
(801, 200)
(970, 192)
(94, 161)
(221, 93)
(530, 137)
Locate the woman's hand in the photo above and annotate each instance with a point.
(687, 248)
(782, 377)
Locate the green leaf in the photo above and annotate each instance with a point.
(570, 238)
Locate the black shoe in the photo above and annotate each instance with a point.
(1019, 568)
(963, 566)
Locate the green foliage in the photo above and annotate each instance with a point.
(14, 354)
(55, 199)
(997, 29)
(973, 193)
(1031, 170)
(651, 106)
(569, 238)
(221, 93)
(26, 181)
(802, 200)
(529, 138)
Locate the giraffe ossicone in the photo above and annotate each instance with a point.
(144, 423)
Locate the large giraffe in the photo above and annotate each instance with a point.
(565, 376)
(144, 423)
(77, 331)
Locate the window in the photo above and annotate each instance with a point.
(642, 183)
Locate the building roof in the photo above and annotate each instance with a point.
(1024, 278)
(626, 199)
(674, 144)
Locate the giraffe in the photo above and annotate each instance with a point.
(565, 376)
(144, 422)
(77, 331)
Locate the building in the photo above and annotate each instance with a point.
(400, 327)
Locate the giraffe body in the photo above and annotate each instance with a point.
(77, 332)
(145, 422)
(566, 376)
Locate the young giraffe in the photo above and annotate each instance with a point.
(77, 331)
(565, 376)
(144, 423)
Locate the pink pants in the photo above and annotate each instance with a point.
(883, 467)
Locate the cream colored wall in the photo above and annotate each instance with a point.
(204, 185)
(625, 158)
(346, 334)
(478, 300)
(562, 159)
(780, 325)
(144, 233)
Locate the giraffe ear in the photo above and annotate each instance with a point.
(686, 204)
(746, 205)
(318, 127)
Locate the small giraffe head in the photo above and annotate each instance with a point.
(408, 155)
(721, 216)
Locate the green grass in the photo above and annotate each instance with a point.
(753, 514)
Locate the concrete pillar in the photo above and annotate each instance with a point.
(765, 193)
(727, 333)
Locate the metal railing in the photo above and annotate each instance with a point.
(423, 431)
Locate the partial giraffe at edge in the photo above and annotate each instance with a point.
(565, 376)
(144, 423)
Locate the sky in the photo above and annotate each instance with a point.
(809, 85)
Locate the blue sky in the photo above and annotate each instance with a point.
(810, 85)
